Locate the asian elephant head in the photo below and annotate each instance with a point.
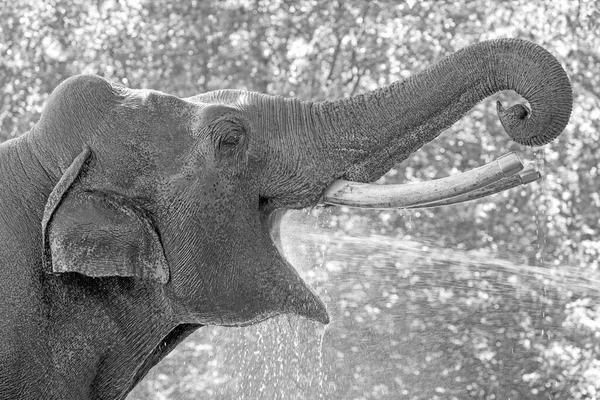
(129, 217)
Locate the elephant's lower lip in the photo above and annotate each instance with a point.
(322, 318)
(309, 306)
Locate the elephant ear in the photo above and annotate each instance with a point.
(99, 234)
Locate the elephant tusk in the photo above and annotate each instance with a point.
(365, 195)
(527, 175)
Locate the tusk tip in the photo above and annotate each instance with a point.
(529, 174)
(510, 164)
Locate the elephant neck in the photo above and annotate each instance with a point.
(24, 189)
(25, 184)
(107, 333)
(23, 196)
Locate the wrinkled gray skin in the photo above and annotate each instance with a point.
(129, 218)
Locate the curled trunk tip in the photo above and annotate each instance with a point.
(546, 86)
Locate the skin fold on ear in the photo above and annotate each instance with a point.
(99, 234)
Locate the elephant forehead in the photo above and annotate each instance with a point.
(147, 132)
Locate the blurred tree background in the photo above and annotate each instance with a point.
(495, 299)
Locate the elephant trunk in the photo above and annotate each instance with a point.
(364, 136)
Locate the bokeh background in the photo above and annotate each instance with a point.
(493, 299)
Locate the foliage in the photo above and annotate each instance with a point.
(459, 310)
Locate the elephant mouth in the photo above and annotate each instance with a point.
(504, 173)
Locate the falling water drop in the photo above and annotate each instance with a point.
(540, 219)
(263, 346)
(539, 213)
(296, 353)
(280, 336)
(321, 375)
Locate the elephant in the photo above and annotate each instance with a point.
(129, 218)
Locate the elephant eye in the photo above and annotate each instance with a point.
(229, 137)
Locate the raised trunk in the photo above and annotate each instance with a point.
(307, 145)
(365, 135)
